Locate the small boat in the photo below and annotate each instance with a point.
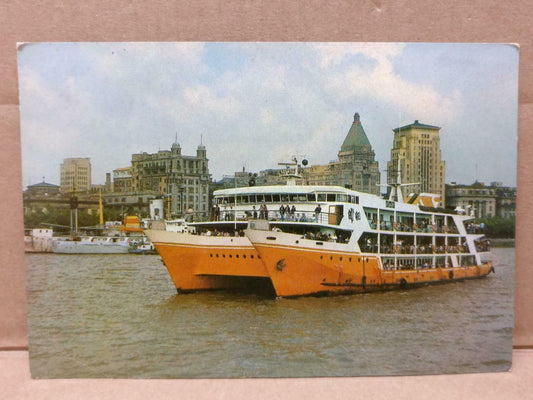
(92, 245)
(142, 247)
(38, 240)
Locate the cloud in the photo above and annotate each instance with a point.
(254, 103)
(201, 99)
(381, 83)
(333, 54)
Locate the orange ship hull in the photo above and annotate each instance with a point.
(207, 263)
(295, 272)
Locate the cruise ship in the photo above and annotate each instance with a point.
(311, 240)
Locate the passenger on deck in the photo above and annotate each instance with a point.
(318, 210)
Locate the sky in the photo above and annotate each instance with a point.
(254, 105)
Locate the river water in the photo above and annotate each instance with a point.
(119, 316)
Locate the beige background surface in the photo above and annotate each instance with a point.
(377, 20)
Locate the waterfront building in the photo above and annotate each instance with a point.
(46, 197)
(122, 181)
(482, 201)
(43, 189)
(417, 147)
(185, 179)
(356, 167)
(75, 175)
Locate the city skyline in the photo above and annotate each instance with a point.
(256, 104)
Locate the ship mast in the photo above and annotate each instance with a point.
(396, 192)
(292, 174)
(101, 207)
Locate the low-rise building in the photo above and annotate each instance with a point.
(122, 180)
(182, 180)
(482, 201)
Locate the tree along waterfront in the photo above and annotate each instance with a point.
(498, 228)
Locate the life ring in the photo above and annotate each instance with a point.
(450, 274)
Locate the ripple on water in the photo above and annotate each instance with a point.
(120, 316)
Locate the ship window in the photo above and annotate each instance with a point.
(331, 197)
(276, 198)
(260, 198)
(268, 198)
(342, 198)
(321, 197)
(231, 200)
(311, 197)
(284, 197)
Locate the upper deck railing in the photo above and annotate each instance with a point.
(273, 216)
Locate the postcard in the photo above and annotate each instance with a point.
(226, 210)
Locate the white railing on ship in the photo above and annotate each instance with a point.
(402, 227)
(297, 216)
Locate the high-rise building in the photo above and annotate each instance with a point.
(169, 173)
(75, 175)
(356, 166)
(417, 147)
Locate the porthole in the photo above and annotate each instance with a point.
(230, 256)
(251, 256)
(244, 256)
